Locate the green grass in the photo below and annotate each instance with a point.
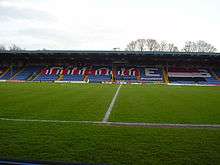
(148, 103)
(55, 101)
(110, 145)
(88, 143)
(168, 104)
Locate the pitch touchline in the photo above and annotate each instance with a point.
(108, 112)
(148, 125)
(48, 121)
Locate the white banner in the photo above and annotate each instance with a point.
(186, 74)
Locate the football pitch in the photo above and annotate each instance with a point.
(64, 122)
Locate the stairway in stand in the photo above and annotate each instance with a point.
(6, 71)
(85, 78)
(60, 78)
(113, 75)
(165, 75)
(214, 74)
(21, 70)
(34, 77)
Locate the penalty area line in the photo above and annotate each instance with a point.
(108, 112)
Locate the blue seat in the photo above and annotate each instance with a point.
(99, 78)
(73, 78)
(10, 74)
(43, 77)
(27, 72)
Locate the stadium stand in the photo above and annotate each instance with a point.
(99, 74)
(217, 72)
(151, 75)
(191, 76)
(47, 75)
(53, 73)
(26, 72)
(110, 66)
(127, 74)
(73, 78)
(2, 71)
(46, 78)
(10, 73)
(74, 74)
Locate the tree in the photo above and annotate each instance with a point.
(141, 44)
(163, 46)
(152, 45)
(14, 47)
(172, 48)
(203, 46)
(2, 48)
(132, 46)
(169, 47)
(175, 49)
(190, 46)
(198, 46)
(138, 45)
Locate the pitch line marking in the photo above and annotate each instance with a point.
(108, 112)
(147, 125)
(48, 121)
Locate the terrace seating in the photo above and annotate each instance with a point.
(151, 75)
(191, 76)
(10, 74)
(74, 74)
(47, 75)
(212, 81)
(127, 74)
(103, 73)
(73, 78)
(99, 74)
(43, 77)
(188, 80)
(53, 73)
(27, 72)
(2, 70)
(217, 72)
(99, 78)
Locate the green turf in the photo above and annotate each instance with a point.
(55, 101)
(110, 145)
(167, 104)
(104, 144)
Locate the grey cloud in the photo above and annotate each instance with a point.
(48, 35)
(13, 13)
(44, 33)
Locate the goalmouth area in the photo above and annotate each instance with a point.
(110, 124)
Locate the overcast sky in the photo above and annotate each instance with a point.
(105, 24)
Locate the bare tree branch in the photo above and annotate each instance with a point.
(14, 47)
(152, 45)
(2, 48)
(163, 46)
(198, 46)
(132, 46)
(141, 44)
